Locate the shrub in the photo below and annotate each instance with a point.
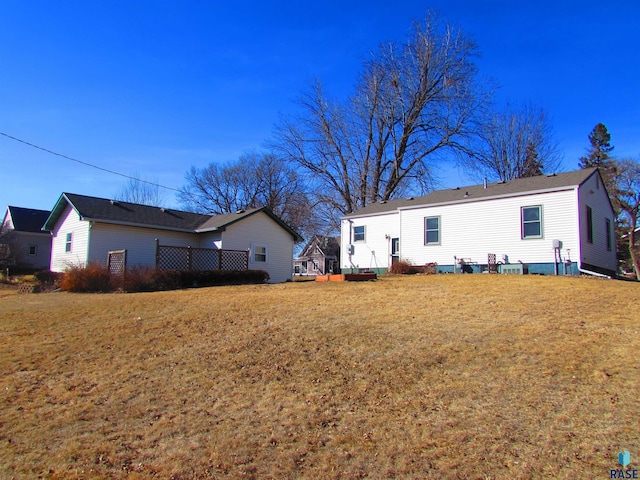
(95, 278)
(47, 277)
(402, 267)
(92, 278)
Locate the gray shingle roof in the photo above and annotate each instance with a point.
(125, 213)
(474, 193)
(28, 219)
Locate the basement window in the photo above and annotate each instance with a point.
(67, 245)
(531, 221)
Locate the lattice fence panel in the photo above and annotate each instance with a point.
(187, 258)
(117, 262)
(173, 258)
(204, 259)
(234, 260)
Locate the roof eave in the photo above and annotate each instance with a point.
(492, 197)
(138, 225)
(56, 211)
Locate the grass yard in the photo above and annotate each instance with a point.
(465, 376)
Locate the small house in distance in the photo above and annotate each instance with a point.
(88, 229)
(320, 256)
(548, 224)
(24, 246)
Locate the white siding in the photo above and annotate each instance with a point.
(139, 242)
(472, 230)
(375, 250)
(261, 229)
(210, 240)
(593, 194)
(69, 222)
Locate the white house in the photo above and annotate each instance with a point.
(561, 223)
(85, 229)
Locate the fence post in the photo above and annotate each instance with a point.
(219, 259)
(246, 259)
(189, 262)
(157, 252)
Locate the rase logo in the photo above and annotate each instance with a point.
(624, 459)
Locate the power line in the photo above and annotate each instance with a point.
(86, 163)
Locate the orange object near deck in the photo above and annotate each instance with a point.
(347, 277)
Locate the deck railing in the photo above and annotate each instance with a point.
(190, 258)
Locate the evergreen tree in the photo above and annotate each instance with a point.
(532, 164)
(598, 155)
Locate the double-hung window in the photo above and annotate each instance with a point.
(67, 244)
(531, 221)
(589, 224)
(358, 233)
(259, 253)
(33, 250)
(432, 231)
(608, 233)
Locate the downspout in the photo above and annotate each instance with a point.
(88, 259)
(350, 243)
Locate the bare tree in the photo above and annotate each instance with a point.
(627, 200)
(513, 143)
(255, 180)
(412, 101)
(142, 191)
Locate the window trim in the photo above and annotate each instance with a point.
(68, 244)
(523, 235)
(438, 230)
(254, 251)
(589, 224)
(363, 234)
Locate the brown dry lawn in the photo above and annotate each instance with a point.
(466, 376)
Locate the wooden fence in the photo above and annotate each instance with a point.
(190, 258)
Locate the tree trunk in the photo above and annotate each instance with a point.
(632, 251)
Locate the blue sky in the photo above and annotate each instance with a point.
(154, 87)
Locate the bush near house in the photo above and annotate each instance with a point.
(96, 278)
(402, 267)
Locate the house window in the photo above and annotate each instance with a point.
(33, 250)
(67, 245)
(260, 253)
(432, 231)
(358, 233)
(589, 224)
(608, 233)
(532, 221)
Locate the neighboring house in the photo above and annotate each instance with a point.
(549, 224)
(85, 229)
(23, 243)
(320, 256)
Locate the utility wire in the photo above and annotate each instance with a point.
(86, 163)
